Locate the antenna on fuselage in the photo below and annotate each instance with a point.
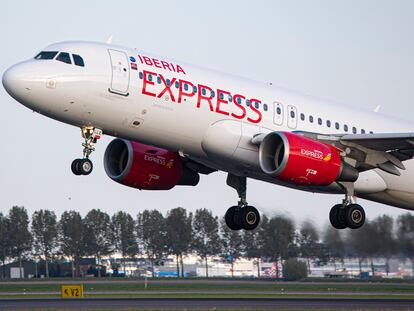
(377, 109)
(109, 40)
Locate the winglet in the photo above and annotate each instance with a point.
(377, 109)
(109, 40)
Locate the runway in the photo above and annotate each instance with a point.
(205, 303)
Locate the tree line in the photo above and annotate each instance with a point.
(179, 233)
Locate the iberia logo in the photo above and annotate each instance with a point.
(327, 157)
(170, 163)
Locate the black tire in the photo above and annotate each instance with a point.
(85, 166)
(75, 167)
(232, 218)
(354, 216)
(250, 218)
(337, 217)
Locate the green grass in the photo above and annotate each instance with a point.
(227, 286)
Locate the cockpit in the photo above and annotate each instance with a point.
(64, 57)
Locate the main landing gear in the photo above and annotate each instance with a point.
(84, 166)
(241, 216)
(348, 214)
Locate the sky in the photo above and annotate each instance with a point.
(356, 52)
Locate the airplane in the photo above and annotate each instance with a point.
(173, 122)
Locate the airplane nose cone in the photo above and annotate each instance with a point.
(16, 81)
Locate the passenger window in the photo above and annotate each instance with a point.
(311, 119)
(292, 114)
(195, 89)
(230, 98)
(186, 87)
(159, 80)
(256, 105)
(328, 123)
(149, 77)
(278, 110)
(362, 131)
(345, 128)
(302, 117)
(265, 107)
(64, 57)
(168, 82)
(354, 130)
(46, 55)
(177, 85)
(213, 94)
(239, 100)
(203, 91)
(141, 75)
(337, 125)
(247, 102)
(319, 121)
(221, 96)
(371, 132)
(78, 60)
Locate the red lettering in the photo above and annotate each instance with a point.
(167, 88)
(204, 97)
(225, 95)
(179, 69)
(240, 106)
(254, 109)
(156, 63)
(172, 66)
(147, 60)
(182, 92)
(165, 65)
(140, 59)
(146, 81)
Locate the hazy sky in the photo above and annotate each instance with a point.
(360, 53)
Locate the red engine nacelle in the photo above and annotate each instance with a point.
(146, 167)
(303, 161)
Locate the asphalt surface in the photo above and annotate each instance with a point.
(194, 303)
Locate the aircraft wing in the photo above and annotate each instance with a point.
(385, 151)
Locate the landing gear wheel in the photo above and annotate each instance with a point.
(85, 166)
(232, 218)
(250, 218)
(75, 167)
(82, 167)
(337, 217)
(354, 216)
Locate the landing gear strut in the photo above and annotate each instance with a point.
(241, 216)
(84, 166)
(348, 214)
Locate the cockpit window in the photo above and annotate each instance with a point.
(78, 60)
(46, 55)
(64, 57)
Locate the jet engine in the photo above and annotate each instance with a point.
(146, 167)
(303, 161)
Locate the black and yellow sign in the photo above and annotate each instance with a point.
(72, 291)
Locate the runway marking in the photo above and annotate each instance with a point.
(205, 303)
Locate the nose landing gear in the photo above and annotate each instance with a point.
(84, 166)
(348, 214)
(242, 216)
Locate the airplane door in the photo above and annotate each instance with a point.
(278, 113)
(120, 72)
(292, 117)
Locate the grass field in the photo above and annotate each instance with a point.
(211, 288)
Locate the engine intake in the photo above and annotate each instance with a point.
(304, 161)
(146, 167)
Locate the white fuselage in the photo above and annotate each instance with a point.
(123, 92)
